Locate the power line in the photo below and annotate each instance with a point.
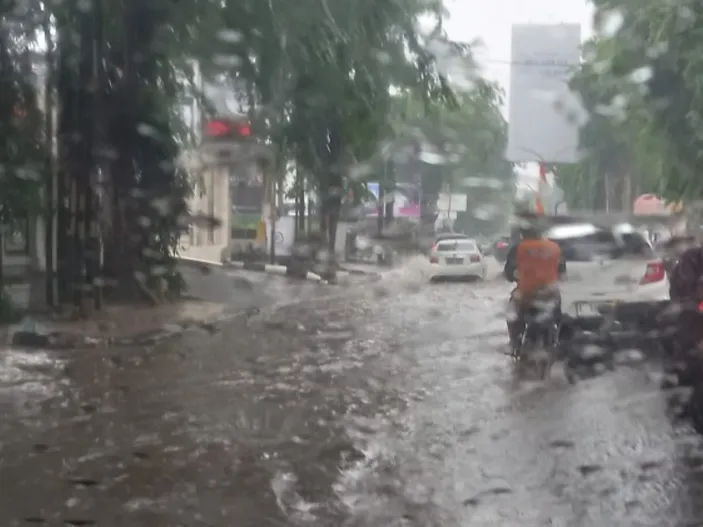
(523, 63)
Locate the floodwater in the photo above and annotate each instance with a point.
(389, 404)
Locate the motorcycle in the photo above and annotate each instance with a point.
(625, 326)
(539, 342)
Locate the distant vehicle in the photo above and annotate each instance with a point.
(501, 247)
(606, 267)
(457, 257)
(450, 236)
(485, 245)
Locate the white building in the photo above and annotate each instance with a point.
(213, 167)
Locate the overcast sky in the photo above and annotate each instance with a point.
(491, 22)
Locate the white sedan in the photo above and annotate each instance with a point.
(605, 267)
(457, 258)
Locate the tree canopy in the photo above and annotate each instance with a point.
(641, 85)
(319, 79)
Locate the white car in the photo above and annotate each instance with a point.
(605, 267)
(457, 258)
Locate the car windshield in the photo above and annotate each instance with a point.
(587, 242)
(457, 245)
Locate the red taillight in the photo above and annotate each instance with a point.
(501, 245)
(224, 128)
(475, 258)
(700, 307)
(434, 259)
(217, 128)
(655, 273)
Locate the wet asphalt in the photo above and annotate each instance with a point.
(380, 404)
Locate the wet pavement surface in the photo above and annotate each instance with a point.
(389, 404)
(241, 289)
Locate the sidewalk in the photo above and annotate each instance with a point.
(212, 298)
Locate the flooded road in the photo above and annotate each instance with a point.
(386, 405)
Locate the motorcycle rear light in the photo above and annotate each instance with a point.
(655, 273)
(434, 259)
(501, 245)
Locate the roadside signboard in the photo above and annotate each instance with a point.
(544, 115)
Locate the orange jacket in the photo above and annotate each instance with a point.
(537, 263)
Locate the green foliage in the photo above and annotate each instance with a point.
(469, 134)
(617, 138)
(641, 82)
(317, 74)
(319, 79)
(21, 153)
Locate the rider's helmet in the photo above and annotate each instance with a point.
(530, 232)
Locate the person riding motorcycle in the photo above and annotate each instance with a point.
(686, 290)
(536, 264)
(686, 293)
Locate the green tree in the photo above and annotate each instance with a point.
(119, 173)
(652, 49)
(469, 134)
(21, 152)
(318, 74)
(622, 151)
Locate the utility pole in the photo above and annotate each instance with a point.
(272, 219)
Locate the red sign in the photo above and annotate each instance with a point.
(227, 128)
(648, 204)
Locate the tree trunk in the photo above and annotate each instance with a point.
(627, 200)
(381, 210)
(272, 220)
(390, 203)
(96, 182)
(296, 206)
(2, 262)
(606, 188)
(449, 210)
(300, 190)
(51, 191)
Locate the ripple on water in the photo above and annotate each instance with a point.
(28, 376)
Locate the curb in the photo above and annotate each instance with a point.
(64, 341)
(259, 267)
(280, 270)
(69, 341)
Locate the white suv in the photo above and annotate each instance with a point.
(605, 267)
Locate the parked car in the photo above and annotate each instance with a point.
(458, 257)
(606, 267)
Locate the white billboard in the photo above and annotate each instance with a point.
(452, 202)
(544, 117)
